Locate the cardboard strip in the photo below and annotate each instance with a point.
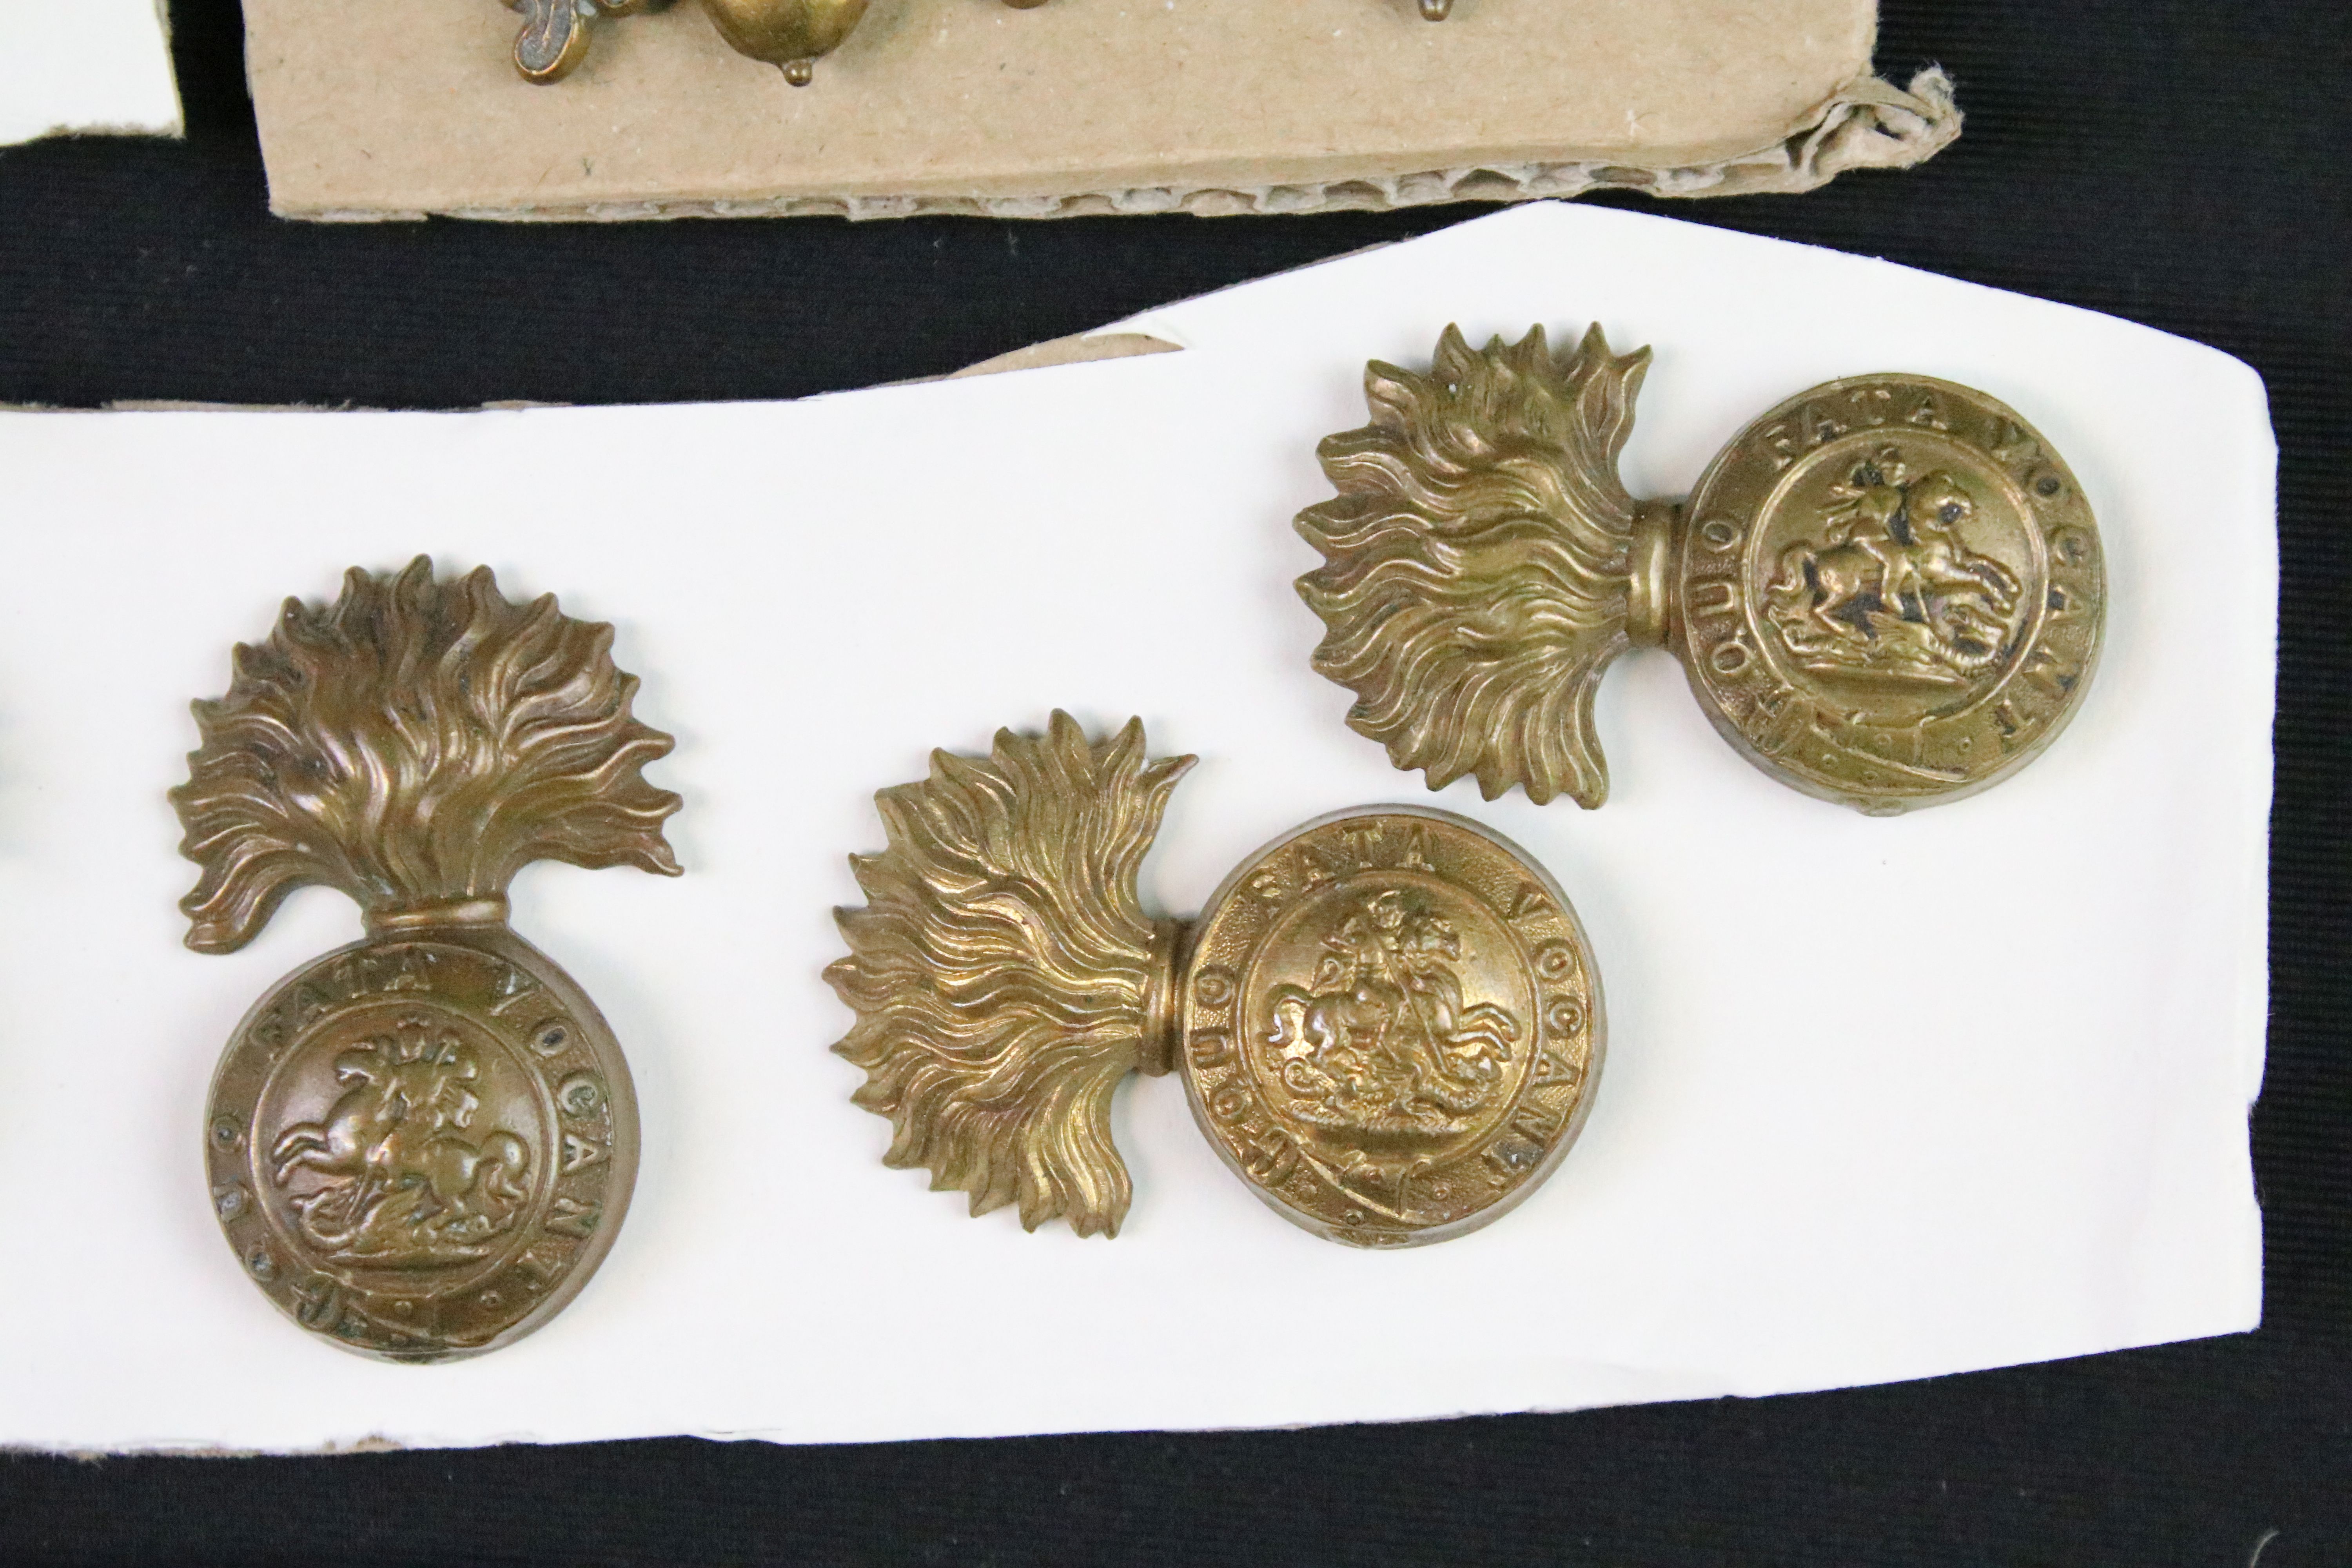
(1078, 108)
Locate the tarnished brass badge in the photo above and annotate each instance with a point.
(420, 1145)
(792, 34)
(1388, 1021)
(1887, 592)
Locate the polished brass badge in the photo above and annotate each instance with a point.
(1886, 592)
(1388, 1021)
(422, 1144)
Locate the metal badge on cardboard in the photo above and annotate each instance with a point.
(1887, 592)
(1388, 1021)
(420, 1145)
(792, 35)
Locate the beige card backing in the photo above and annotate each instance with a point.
(1213, 107)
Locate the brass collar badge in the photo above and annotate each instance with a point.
(791, 34)
(1886, 592)
(1387, 1022)
(420, 1145)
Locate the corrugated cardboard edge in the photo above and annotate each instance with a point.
(1868, 123)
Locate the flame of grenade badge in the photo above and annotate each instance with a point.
(1388, 1021)
(1887, 592)
(420, 1145)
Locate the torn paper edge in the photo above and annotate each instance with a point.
(175, 128)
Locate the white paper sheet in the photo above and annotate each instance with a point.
(85, 66)
(2006, 1122)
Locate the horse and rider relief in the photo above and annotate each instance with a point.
(1382, 1037)
(402, 1179)
(1891, 589)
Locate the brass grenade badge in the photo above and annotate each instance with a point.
(420, 1145)
(1886, 592)
(1387, 1022)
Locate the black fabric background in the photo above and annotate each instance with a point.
(2180, 164)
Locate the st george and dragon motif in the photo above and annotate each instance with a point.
(420, 1145)
(1387, 1022)
(1887, 592)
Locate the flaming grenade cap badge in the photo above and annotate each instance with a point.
(420, 1145)
(1886, 592)
(1387, 1022)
